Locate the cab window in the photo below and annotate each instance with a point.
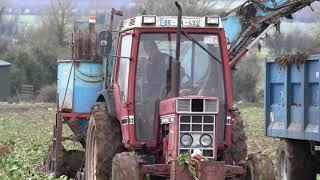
(124, 64)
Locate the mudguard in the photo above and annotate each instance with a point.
(107, 96)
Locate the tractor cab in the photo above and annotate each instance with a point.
(145, 63)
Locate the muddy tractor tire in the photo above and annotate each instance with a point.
(103, 142)
(259, 167)
(237, 151)
(125, 166)
(294, 160)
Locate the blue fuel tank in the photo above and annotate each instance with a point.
(78, 85)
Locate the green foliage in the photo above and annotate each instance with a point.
(28, 129)
(186, 161)
(22, 130)
(148, 177)
(33, 53)
(47, 94)
(31, 66)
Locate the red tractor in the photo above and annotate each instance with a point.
(166, 111)
(168, 96)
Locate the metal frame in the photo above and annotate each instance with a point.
(204, 106)
(200, 133)
(55, 164)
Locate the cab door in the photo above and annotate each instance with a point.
(122, 84)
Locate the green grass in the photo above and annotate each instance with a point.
(253, 117)
(28, 129)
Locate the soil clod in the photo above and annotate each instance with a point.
(5, 150)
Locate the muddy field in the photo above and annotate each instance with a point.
(26, 130)
(253, 117)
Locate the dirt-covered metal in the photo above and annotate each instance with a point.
(297, 58)
(259, 166)
(252, 20)
(238, 149)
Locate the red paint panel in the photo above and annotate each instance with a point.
(211, 170)
(173, 141)
(228, 131)
(168, 106)
(76, 115)
(165, 144)
(225, 58)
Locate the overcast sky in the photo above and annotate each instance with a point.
(306, 15)
(40, 3)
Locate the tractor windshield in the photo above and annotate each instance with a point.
(200, 73)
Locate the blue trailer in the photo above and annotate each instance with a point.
(292, 113)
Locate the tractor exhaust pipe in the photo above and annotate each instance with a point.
(176, 64)
(178, 30)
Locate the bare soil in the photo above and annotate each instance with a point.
(5, 150)
(22, 108)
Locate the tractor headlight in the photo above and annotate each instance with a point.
(212, 20)
(206, 140)
(186, 140)
(148, 20)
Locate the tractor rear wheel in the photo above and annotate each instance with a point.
(294, 160)
(125, 166)
(237, 151)
(103, 142)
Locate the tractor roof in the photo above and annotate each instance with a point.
(170, 21)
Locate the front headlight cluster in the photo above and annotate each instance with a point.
(187, 140)
(206, 140)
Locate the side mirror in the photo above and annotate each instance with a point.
(104, 43)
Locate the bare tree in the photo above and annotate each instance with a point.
(2, 3)
(59, 15)
(190, 7)
(2, 8)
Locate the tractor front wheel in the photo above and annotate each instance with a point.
(103, 142)
(125, 166)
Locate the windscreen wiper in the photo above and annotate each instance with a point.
(200, 45)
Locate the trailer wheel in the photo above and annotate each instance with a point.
(258, 167)
(294, 161)
(103, 142)
(237, 151)
(125, 166)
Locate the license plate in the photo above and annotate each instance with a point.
(184, 22)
